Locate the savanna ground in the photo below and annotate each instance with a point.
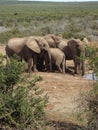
(65, 92)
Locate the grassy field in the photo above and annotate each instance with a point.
(71, 19)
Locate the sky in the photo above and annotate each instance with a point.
(59, 0)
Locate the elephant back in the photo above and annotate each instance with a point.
(16, 44)
(56, 52)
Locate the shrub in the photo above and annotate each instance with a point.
(10, 74)
(22, 103)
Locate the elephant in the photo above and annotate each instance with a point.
(58, 59)
(73, 50)
(28, 48)
(52, 40)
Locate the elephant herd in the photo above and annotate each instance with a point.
(48, 52)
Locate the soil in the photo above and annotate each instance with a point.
(64, 91)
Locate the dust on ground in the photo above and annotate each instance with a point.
(63, 90)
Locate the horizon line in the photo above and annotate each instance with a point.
(58, 0)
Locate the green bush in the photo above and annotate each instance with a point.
(10, 74)
(22, 103)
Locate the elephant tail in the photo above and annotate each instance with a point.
(63, 64)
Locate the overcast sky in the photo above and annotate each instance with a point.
(58, 0)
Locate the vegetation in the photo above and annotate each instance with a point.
(89, 102)
(92, 100)
(37, 18)
(21, 106)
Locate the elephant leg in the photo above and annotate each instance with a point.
(63, 70)
(40, 64)
(83, 68)
(63, 65)
(75, 66)
(47, 62)
(79, 68)
(58, 66)
(66, 67)
(35, 63)
(30, 64)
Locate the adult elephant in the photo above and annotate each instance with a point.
(28, 48)
(74, 50)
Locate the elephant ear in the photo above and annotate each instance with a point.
(33, 45)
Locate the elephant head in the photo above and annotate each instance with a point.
(43, 44)
(27, 48)
(52, 40)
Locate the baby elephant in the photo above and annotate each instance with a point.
(58, 59)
